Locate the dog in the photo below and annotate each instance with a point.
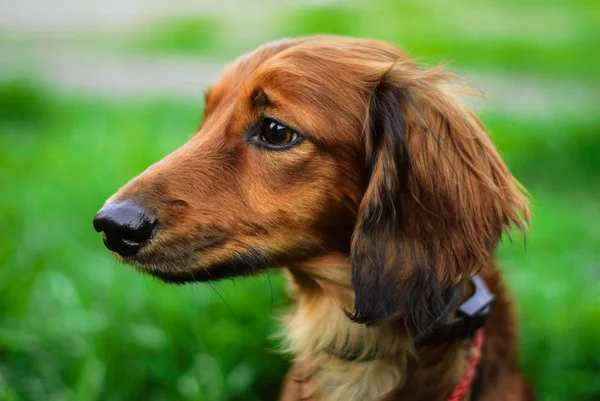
(377, 192)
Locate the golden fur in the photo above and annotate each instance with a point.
(395, 195)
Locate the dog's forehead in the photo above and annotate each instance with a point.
(312, 55)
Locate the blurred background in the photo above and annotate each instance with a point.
(92, 92)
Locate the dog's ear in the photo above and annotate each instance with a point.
(438, 199)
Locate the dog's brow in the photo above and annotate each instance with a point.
(260, 98)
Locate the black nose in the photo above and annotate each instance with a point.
(126, 226)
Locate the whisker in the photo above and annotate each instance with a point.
(270, 289)
(223, 299)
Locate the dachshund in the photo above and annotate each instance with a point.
(377, 192)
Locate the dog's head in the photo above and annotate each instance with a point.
(325, 145)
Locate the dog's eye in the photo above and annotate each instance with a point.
(274, 135)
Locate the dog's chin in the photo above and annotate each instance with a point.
(171, 271)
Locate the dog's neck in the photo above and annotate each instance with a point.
(318, 331)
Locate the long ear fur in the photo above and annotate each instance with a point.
(438, 200)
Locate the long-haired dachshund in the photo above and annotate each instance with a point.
(381, 196)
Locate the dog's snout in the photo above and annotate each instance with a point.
(126, 226)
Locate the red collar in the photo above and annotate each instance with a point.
(465, 383)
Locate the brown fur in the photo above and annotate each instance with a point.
(395, 195)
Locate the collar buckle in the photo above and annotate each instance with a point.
(472, 315)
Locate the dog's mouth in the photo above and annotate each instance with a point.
(181, 265)
(207, 252)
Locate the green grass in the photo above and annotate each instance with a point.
(556, 284)
(540, 38)
(553, 152)
(196, 34)
(78, 326)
